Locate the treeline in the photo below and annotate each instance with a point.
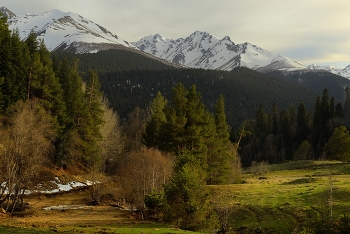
(294, 133)
(316, 81)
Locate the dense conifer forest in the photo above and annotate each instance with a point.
(243, 89)
(316, 81)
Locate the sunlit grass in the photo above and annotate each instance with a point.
(287, 196)
(130, 229)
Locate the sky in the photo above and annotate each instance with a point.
(307, 31)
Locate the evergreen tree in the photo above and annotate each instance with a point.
(197, 127)
(347, 108)
(261, 122)
(32, 42)
(302, 124)
(317, 125)
(173, 133)
(92, 120)
(339, 112)
(186, 194)
(19, 66)
(158, 119)
(275, 119)
(219, 153)
(5, 63)
(304, 151)
(71, 145)
(325, 108)
(332, 107)
(286, 134)
(51, 91)
(338, 145)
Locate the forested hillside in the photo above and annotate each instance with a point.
(316, 81)
(243, 89)
(115, 60)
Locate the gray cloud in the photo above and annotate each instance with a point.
(306, 31)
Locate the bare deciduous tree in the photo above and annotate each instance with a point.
(26, 141)
(112, 144)
(143, 171)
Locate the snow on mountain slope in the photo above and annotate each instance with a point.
(60, 30)
(345, 72)
(338, 71)
(6, 12)
(203, 50)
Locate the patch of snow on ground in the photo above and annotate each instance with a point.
(65, 207)
(60, 187)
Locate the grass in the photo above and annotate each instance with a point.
(283, 200)
(291, 195)
(130, 229)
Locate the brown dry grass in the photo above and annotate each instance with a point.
(36, 216)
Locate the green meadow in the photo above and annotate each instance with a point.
(286, 198)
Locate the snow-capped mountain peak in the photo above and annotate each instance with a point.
(335, 70)
(204, 50)
(63, 30)
(6, 12)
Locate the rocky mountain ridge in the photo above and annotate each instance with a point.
(204, 50)
(64, 30)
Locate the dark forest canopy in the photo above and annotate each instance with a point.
(316, 81)
(243, 89)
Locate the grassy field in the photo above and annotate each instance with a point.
(287, 197)
(129, 229)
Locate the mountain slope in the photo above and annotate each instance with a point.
(243, 89)
(61, 31)
(337, 71)
(6, 12)
(316, 80)
(203, 50)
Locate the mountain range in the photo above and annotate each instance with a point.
(203, 50)
(63, 31)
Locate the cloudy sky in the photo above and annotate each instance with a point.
(307, 31)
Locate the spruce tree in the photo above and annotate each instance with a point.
(317, 127)
(5, 63)
(286, 134)
(51, 91)
(325, 108)
(158, 119)
(347, 107)
(71, 145)
(302, 124)
(261, 122)
(186, 195)
(220, 155)
(275, 119)
(173, 132)
(197, 126)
